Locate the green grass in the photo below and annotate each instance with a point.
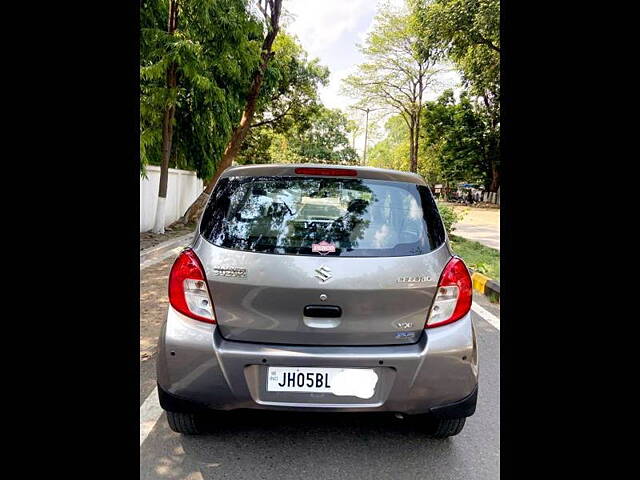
(477, 257)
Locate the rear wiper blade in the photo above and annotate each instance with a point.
(288, 208)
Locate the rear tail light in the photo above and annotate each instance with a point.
(188, 290)
(329, 172)
(453, 299)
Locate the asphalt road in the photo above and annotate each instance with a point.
(268, 445)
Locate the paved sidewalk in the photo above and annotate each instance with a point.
(480, 225)
(153, 255)
(149, 239)
(487, 235)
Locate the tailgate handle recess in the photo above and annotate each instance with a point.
(322, 311)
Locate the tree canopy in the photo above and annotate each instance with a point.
(289, 93)
(398, 69)
(468, 31)
(459, 139)
(217, 51)
(458, 135)
(215, 48)
(321, 138)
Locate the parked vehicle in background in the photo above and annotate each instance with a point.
(324, 288)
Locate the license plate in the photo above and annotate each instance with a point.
(357, 382)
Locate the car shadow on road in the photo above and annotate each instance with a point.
(250, 444)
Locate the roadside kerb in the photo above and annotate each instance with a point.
(485, 286)
(151, 256)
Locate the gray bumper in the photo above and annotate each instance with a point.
(195, 364)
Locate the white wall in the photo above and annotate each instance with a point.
(182, 189)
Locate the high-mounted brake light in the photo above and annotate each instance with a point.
(188, 290)
(455, 292)
(329, 172)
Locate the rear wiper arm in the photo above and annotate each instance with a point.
(290, 211)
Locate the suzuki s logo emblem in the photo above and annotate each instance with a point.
(323, 273)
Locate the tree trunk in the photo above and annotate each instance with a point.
(495, 178)
(493, 147)
(167, 129)
(167, 133)
(417, 120)
(416, 140)
(413, 157)
(240, 132)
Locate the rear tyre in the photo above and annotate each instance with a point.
(446, 427)
(185, 423)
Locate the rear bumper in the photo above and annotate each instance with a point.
(199, 370)
(462, 408)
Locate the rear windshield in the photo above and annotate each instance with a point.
(322, 216)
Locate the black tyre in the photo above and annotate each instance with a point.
(446, 427)
(185, 423)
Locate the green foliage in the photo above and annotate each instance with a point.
(289, 94)
(449, 217)
(393, 150)
(281, 151)
(480, 267)
(215, 50)
(460, 138)
(393, 65)
(321, 138)
(289, 106)
(399, 66)
(326, 141)
(469, 33)
(478, 257)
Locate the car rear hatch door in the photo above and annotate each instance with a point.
(304, 300)
(296, 259)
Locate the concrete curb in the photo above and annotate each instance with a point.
(153, 255)
(485, 285)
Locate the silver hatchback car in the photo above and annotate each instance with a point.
(319, 288)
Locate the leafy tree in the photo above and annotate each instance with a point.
(281, 151)
(270, 11)
(399, 67)
(392, 151)
(468, 31)
(459, 134)
(194, 72)
(353, 129)
(324, 140)
(289, 99)
(449, 217)
(289, 94)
